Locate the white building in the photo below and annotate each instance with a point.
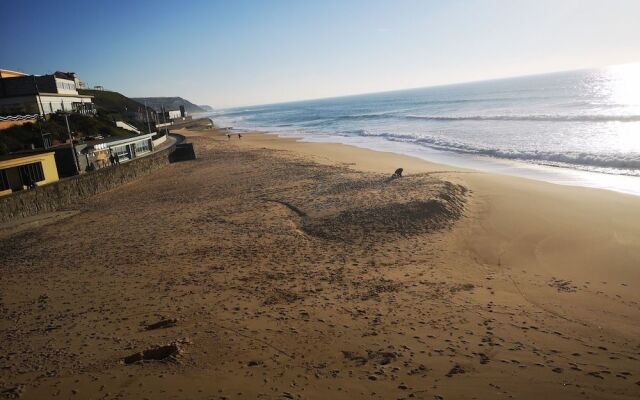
(29, 94)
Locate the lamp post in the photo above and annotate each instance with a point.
(41, 109)
(148, 122)
(73, 148)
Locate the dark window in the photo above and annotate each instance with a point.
(122, 152)
(142, 147)
(4, 181)
(31, 173)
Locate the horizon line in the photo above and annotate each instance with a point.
(426, 87)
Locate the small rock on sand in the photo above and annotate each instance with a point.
(457, 369)
(160, 353)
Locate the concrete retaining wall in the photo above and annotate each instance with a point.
(71, 190)
(157, 142)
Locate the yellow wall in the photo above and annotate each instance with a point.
(50, 169)
(47, 160)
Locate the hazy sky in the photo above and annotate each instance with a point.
(249, 52)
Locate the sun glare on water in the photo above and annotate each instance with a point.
(624, 85)
(622, 88)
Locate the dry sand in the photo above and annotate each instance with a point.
(269, 269)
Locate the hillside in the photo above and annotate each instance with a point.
(112, 102)
(170, 103)
(115, 106)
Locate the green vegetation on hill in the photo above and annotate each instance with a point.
(114, 106)
(21, 137)
(170, 103)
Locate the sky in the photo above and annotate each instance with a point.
(242, 52)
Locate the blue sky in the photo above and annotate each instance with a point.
(228, 53)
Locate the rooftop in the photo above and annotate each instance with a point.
(115, 139)
(24, 154)
(65, 75)
(7, 73)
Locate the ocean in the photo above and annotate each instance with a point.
(578, 128)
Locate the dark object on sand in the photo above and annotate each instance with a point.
(457, 369)
(161, 353)
(183, 152)
(13, 392)
(398, 173)
(377, 357)
(165, 323)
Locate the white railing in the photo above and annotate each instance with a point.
(127, 126)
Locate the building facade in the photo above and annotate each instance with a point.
(96, 154)
(20, 172)
(170, 115)
(47, 94)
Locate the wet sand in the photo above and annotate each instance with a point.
(270, 269)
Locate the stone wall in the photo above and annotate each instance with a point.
(71, 190)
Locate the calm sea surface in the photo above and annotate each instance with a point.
(580, 127)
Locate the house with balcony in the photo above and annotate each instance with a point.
(22, 94)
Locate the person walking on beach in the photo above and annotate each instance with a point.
(228, 136)
(239, 136)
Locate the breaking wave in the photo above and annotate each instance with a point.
(542, 118)
(570, 119)
(533, 118)
(625, 164)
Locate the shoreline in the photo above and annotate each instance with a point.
(555, 174)
(285, 269)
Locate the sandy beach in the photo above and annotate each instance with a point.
(274, 269)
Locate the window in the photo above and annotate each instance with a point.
(31, 173)
(64, 85)
(143, 147)
(121, 151)
(4, 181)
